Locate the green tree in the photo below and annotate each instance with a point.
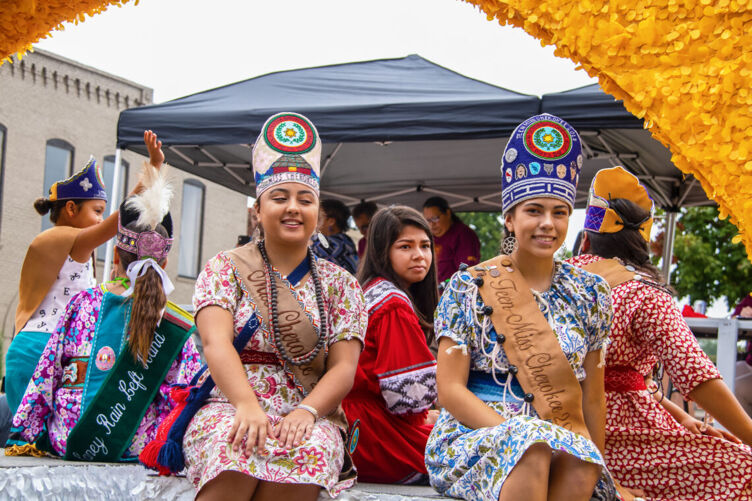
(488, 226)
(708, 265)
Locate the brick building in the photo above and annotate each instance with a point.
(54, 114)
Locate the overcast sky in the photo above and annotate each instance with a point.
(179, 47)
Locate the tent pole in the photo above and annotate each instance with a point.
(114, 205)
(668, 245)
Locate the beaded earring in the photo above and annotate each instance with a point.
(509, 245)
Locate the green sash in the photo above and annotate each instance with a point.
(116, 397)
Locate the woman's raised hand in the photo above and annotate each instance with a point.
(156, 155)
(294, 428)
(251, 421)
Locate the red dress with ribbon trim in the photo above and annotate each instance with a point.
(646, 448)
(394, 386)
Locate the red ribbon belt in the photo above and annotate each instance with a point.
(259, 357)
(620, 378)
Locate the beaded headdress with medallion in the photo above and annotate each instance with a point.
(288, 150)
(543, 158)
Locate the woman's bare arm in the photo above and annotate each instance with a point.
(452, 371)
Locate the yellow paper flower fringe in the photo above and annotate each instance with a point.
(685, 66)
(24, 22)
(25, 450)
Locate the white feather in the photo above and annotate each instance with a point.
(153, 203)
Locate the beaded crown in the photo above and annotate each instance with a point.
(612, 183)
(86, 184)
(543, 158)
(288, 150)
(146, 243)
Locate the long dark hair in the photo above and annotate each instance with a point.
(627, 244)
(383, 231)
(148, 301)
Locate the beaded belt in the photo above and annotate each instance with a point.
(621, 379)
(259, 357)
(484, 387)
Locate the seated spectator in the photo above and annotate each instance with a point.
(395, 383)
(102, 384)
(456, 242)
(362, 214)
(335, 246)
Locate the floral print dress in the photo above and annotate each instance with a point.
(474, 463)
(208, 451)
(646, 448)
(53, 400)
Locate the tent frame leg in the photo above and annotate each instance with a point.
(668, 245)
(114, 205)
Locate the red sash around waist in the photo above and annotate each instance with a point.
(620, 378)
(259, 357)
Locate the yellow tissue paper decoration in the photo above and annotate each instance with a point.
(24, 22)
(684, 66)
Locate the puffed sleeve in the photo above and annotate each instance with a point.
(404, 365)
(217, 285)
(659, 324)
(348, 317)
(601, 315)
(38, 402)
(450, 318)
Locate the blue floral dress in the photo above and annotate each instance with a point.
(474, 463)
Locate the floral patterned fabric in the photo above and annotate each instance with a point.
(317, 461)
(646, 448)
(474, 463)
(50, 400)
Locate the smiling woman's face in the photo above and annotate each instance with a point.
(539, 225)
(288, 213)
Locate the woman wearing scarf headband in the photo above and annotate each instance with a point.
(651, 446)
(272, 427)
(102, 384)
(521, 341)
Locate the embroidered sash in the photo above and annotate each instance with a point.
(118, 389)
(531, 346)
(298, 333)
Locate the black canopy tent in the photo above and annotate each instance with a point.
(397, 131)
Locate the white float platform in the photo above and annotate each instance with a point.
(51, 479)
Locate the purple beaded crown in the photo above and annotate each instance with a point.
(143, 244)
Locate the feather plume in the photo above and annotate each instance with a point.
(153, 203)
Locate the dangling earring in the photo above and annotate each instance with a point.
(509, 244)
(322, 239)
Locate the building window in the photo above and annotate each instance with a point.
(191, 225)
(58, 165)
(3, 135)
(108, 174)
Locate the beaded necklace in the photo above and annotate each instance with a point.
(271, 294)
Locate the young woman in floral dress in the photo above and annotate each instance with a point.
(264, 433)
(489, 442)
(651, 444)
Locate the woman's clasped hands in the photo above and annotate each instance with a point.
(252, 424)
